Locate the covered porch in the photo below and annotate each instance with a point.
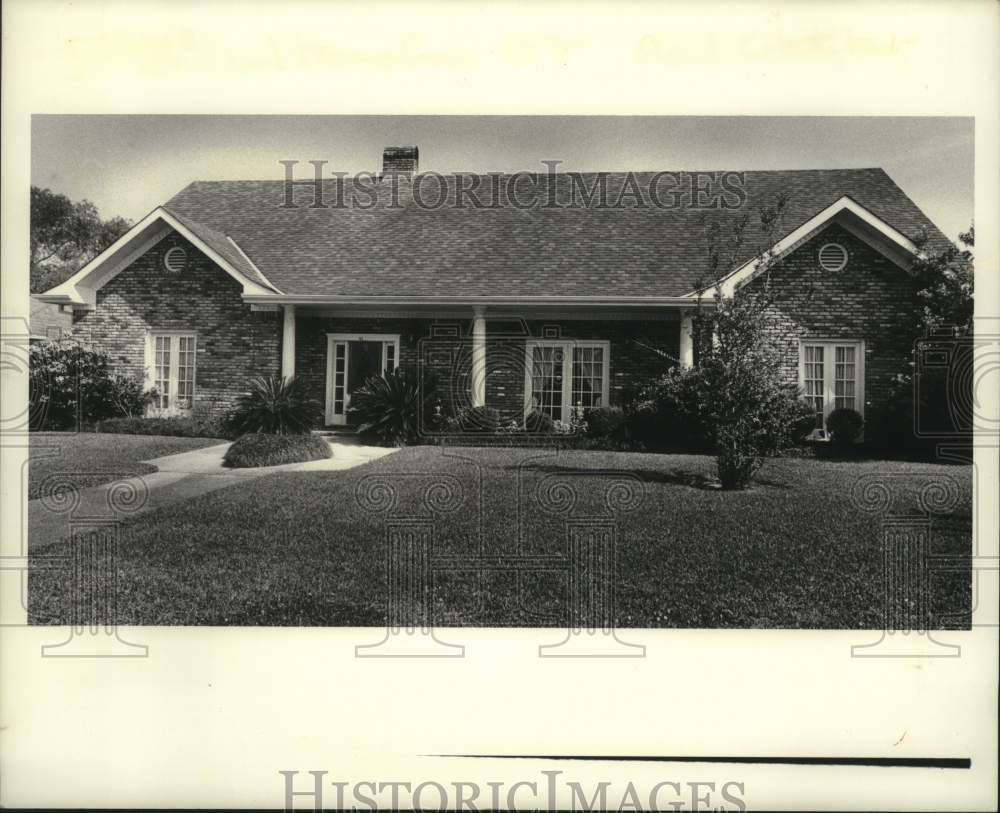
(514, 358)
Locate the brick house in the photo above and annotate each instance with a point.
(562, 303)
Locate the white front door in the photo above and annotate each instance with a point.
(351, 359)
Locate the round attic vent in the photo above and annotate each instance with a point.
(832, 257)
(175, 259)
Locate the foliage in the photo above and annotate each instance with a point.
(539, 422)
(934, 400)
(946, 281)
(605, 421)
(844, 426)
(168, 426)
(71, 385)
(657, 421)
(275, 406)
(275, 449)
(388, 407)
(481, 419)
(65, 235)
(736, 393)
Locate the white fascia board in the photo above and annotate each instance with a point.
(835, 212)
(473, 301)
(81, 288)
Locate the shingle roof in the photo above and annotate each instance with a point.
(578, 251)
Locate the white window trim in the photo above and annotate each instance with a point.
(567, 345)
(829, 361)
(331, 341)
(151, 337)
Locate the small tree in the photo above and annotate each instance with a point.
(736, 392)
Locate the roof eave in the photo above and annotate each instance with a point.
(473, 300)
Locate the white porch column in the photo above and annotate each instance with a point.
(479, 356)
(687, 342)
(288, 343)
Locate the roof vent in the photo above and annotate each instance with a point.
(400, 161)
(832, 257)
(175, 259)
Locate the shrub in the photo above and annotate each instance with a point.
(844, 426)
(72, 385)
(737, 391)
(659, 421)
(388, 407)
(259, 449)
(275, 406)
(174, 426)
(605, 422)
(479, 419)
(539, 422)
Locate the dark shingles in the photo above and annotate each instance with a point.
(582, 251)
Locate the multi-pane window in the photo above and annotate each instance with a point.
(832, 377)
(813, 380)
(389, 354)
(547, 379)
(339, 376)
(588, 377)
(566, 375)
(844, 378)
(173, 371)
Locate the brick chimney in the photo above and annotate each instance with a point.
(400, 161)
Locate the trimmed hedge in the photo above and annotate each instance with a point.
(605, 422)
(173, 427)
(844, 426)
(254, 450)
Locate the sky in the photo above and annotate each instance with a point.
(128, 165)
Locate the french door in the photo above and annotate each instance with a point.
(352, 358)
(172, 372)
(832, 376)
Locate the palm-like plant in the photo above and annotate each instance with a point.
(388, 407)
(275, 406)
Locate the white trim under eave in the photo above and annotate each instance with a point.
(76, 291)
(895, 245)
(473, 301)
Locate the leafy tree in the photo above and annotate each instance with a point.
(937, 399)
(947, 285)
(65, 236)
(736, 394)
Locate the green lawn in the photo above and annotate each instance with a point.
(91, 459)
(310, 549)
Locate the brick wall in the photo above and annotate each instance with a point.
(870, 299)
(233, 344)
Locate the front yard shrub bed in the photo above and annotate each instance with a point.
(258, 449)
(173, 427)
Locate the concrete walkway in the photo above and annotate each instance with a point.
(178, 477)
